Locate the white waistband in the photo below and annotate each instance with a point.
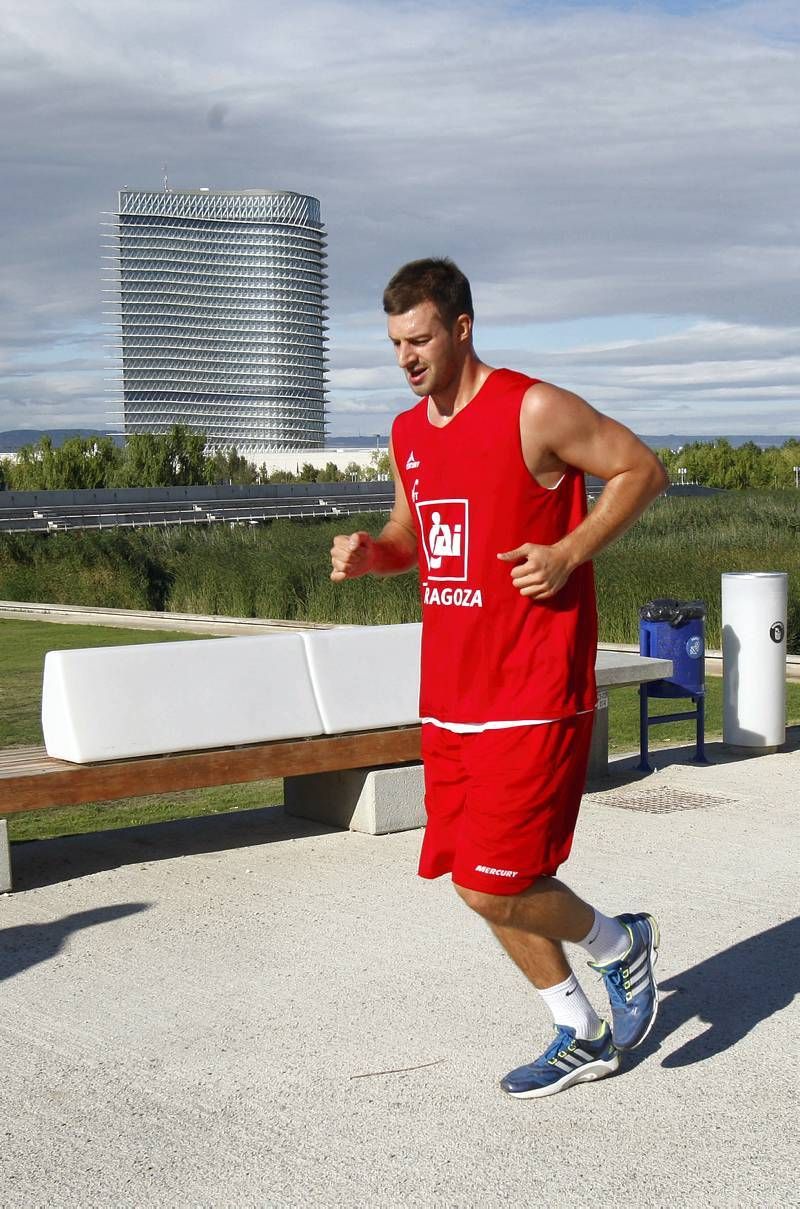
(470, 728)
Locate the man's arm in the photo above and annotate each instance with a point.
(560, 429)
(391, 553)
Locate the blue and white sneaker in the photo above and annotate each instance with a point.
(567, 1061)
(632, 990)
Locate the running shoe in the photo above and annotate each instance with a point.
(567, 1061)
(632, 990)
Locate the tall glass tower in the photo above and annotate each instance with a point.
(220, 315)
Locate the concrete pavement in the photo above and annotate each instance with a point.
(254, 1010)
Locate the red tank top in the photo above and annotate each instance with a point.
(491, 657)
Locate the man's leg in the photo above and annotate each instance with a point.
(531, 927)
(522, 790)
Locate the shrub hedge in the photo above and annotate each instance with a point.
(280, 570)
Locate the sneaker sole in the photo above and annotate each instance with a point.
(583, 1074)
(652, 953)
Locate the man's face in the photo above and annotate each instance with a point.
(429, 354)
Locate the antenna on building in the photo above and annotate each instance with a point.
(166, 180)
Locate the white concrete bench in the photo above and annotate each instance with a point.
(113, 703)
(333, 712)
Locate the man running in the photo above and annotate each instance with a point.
(490, 501)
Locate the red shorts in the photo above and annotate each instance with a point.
(502, 804)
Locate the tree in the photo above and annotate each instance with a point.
(85, 463)
(379, 467)
(383, 467)
(145, 461)
(186, 456)
(229, 466)
(173, 459)
(330, 473)
(34, 468)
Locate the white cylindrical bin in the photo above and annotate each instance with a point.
(754, 658)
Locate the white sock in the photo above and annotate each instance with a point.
(569, 1006)
(607, 940)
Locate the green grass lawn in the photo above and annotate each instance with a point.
(623, 719)
(22, 648)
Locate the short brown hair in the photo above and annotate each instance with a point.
(436, 279)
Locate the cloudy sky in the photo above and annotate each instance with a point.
(620, 181)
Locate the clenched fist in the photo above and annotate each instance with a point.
(351, 556)
(541, 570)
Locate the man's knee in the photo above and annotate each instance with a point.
(494, 908)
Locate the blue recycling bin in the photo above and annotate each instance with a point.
(673, 629)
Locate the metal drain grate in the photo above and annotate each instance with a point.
(661, 799)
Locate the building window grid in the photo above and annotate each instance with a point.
(218, 365)
(300, 410)
(291, 305)
(219, 313)
(143, 279)
(153, 337)
(153, 254)
(267, 206)
(130, 276)
(265, 324)
(147, 242)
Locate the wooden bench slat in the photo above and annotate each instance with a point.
(31, 759)
(38, 781)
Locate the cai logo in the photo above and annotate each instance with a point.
(444, 525)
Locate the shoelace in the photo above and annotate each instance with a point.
(562, 1044)
(618, 984)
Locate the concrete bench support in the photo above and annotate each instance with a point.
(598, 752)
(5, 859)
(373, 800)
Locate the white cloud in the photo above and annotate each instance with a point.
(579, 162)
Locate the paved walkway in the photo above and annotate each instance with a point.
(251, 1010)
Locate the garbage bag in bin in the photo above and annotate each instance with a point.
(675, 629)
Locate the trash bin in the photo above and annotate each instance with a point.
(754, 606)
(673, 629)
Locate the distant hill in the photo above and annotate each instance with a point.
(15, 438)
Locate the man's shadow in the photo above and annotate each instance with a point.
(731, 992)
(27, 945)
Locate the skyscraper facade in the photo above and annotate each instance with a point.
(220, 315)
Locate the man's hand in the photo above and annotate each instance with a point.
(541, 571)
(351, 556)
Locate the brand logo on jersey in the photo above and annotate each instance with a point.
(412, 463)
(444, 525)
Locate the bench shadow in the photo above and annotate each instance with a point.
(37, 863)
(25, 945)
(731, 992)
(622, 769)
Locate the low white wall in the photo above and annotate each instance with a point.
(293, 459)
